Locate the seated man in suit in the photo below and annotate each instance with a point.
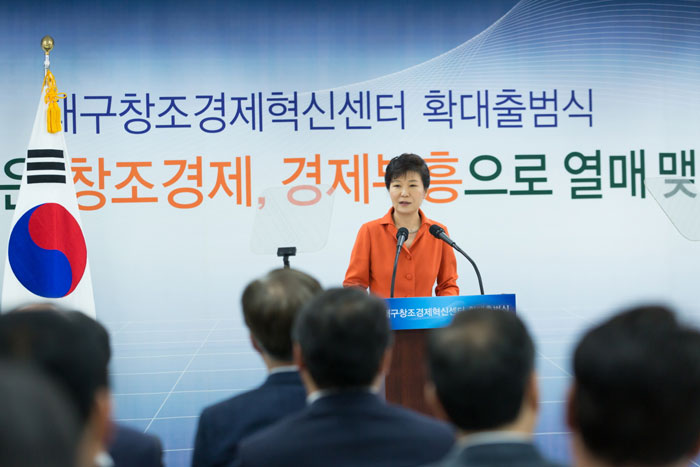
(635, 398)
(270, 305)
(342, 345)
(482, 379)
(73, 350)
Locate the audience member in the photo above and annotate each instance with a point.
(270, 305)
(38, 425)
(50, 340)
(635, 398)
(482, 378)
(125, 446)
(342, 345)
(73, 350)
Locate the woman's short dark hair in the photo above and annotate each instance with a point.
(401, 165)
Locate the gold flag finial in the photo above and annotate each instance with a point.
(47, 44)
(53, 112)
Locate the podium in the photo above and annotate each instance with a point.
(412, 318)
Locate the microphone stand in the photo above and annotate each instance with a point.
(478, 275)
(401, 237)
(438, 232)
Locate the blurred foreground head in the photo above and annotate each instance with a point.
(72, 349)
(38, 426)
(342, 339)
(482, 372)
(635, 397)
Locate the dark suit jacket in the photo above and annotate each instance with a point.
(223, 425)
(496, 455)
(132, 448)
(352, 428)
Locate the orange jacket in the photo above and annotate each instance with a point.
(429, 259)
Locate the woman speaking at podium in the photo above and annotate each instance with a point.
(424, 260)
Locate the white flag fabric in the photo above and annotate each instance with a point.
(47, 257)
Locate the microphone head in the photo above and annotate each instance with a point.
(436, 230)
(402, 232)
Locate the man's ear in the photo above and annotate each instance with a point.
(254, 343)
(101, 416)
(306, 377)
(571, 420)
(385, 364)
(434, 404)
(298, 357)
(383, 370)
(533, 392)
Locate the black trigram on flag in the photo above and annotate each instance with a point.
(49, 162)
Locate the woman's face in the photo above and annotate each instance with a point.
(407, 193)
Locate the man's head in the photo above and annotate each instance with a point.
(70, 348)
(482, 371)
(270, 305)
(38, 425)
(342, 338)
(635, 398)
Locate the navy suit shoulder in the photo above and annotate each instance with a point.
(497, 455)
(349, 429)
(223, 425)
(132, 448)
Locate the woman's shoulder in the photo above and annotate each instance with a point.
(373, 224)
(378, 223)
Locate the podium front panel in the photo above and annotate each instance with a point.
(437, 312)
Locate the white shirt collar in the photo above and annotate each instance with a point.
(283, 369)
(104, 460)
(491, 437)
(321, 393)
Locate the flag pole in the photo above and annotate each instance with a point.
(53, 114)
(47, 46)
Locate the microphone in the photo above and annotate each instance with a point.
(401, 237)
(438, 232)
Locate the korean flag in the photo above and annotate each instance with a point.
(47, 257)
